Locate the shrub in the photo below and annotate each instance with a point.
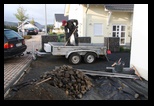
(123, 49)
(27, 36)
(11, 27)
(60, 36)
(52, 33)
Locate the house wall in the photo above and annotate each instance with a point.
(97, 14)
(76, 12)
(25, 26)
(29, 26)
(122, 18)
(58, 24)
(139, 46)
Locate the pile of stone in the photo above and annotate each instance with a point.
(74, 82)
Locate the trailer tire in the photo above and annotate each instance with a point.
(89, 57)
(74, 58)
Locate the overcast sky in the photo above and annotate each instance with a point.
(35, 11)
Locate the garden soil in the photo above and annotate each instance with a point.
(105, 88)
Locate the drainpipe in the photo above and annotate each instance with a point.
(86, 18)
(87, 8)
(109, 17)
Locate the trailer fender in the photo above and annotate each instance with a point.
(81, 52)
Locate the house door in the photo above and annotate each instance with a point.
(119, 31)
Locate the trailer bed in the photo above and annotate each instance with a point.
(59, 48)
(80, 44)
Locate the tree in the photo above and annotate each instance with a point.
(21, 16)
(32, 21)
(50, 27)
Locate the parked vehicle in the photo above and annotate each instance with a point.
(14, 44)
(32, 31)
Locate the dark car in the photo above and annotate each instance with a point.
(32, 31)
(14, 44)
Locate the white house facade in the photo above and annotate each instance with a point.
(98, 21)
(139, 46)
(58, 20)
(25, 25)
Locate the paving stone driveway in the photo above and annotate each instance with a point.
(14, 68)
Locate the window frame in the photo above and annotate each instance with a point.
(118, 33)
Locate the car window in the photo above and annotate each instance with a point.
(12, 34)
(5, 40)
(31, 29)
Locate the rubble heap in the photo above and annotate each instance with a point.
(74, 82)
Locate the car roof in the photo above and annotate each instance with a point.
(6, 29)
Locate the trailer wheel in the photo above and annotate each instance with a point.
(74, 58)
(89, 57)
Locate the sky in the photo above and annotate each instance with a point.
(35, 11)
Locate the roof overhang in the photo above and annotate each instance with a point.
(119, 7)
(23, 23)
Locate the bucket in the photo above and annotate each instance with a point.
(119, 67)
(108, 52)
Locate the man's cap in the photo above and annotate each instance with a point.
(63, 22)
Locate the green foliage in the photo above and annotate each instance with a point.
(50, 27)
(11, 27)
(123, 49)
(20, 15)
(60, 37)
(62, 27)
(52, 33)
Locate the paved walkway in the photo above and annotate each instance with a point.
(14, 68)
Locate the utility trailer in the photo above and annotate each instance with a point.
(87, 51)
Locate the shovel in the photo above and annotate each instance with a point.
(70, 37)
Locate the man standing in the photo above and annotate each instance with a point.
(70, 27)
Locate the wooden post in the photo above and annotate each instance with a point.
(43, 81)
(137, 73)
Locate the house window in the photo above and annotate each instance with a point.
(98, 29)
(119, 31)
